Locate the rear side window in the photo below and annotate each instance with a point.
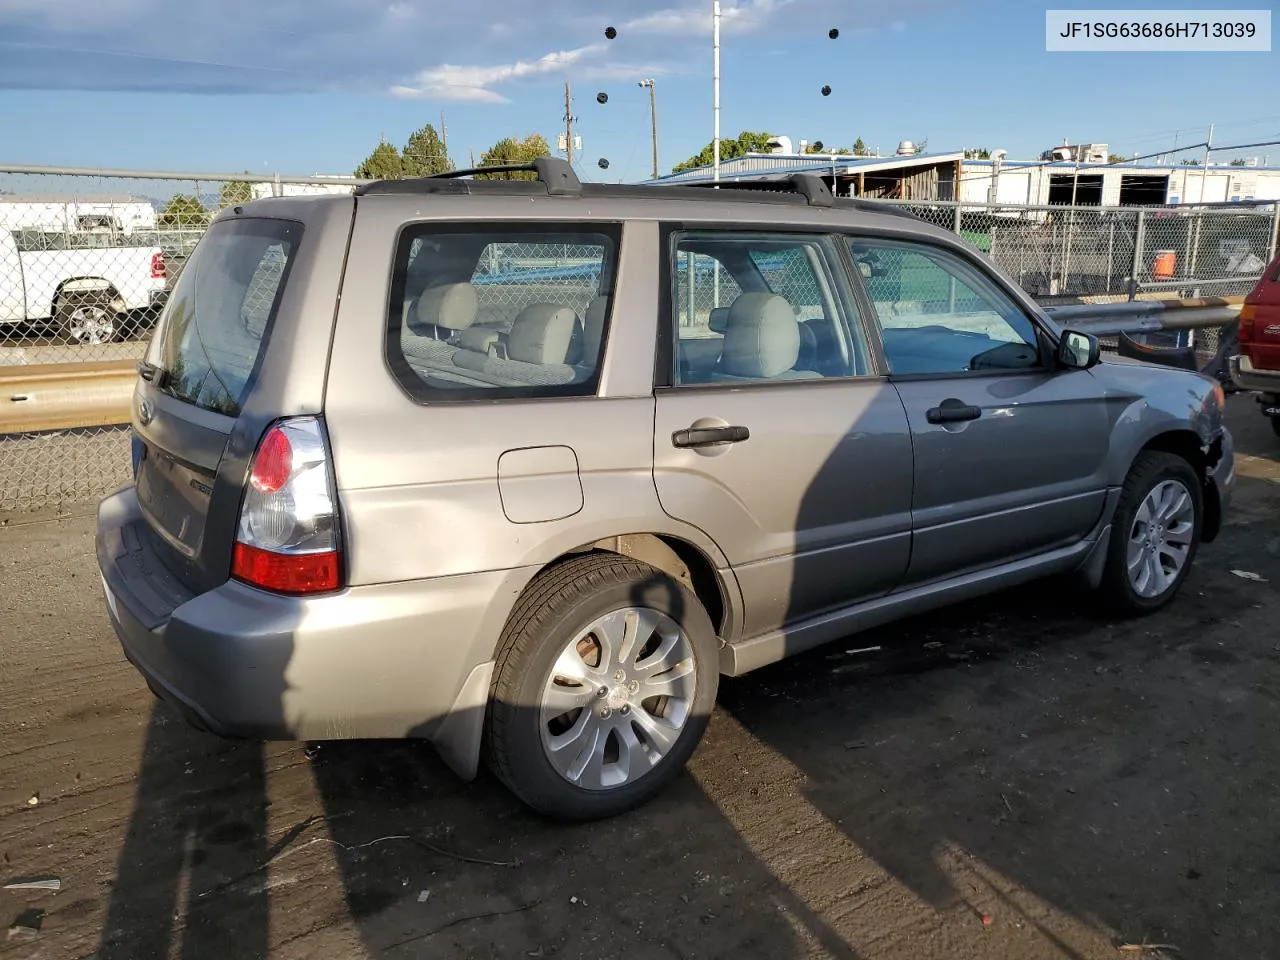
(495, 311)
(213, 328)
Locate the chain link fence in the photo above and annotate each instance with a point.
(87, 260)
(1058, 253)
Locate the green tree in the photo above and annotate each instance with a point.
(424, 154)
(384, 163)
(184, 210)
(235, 192)
(819, 147)
(1116, 158)
(1191, 163)
(978, 153)
(859, 148)
(1238, 162)
(515, 150)
(746, 142)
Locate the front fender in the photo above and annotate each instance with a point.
(1150, 404)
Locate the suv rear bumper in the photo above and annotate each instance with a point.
(382, 661)
(1248, 377)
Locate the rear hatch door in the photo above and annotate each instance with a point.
(201, 365)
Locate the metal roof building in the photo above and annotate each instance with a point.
(925, 176)
(948, 176)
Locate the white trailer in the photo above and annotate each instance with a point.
(103, 215)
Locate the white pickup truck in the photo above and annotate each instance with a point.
(85, 290)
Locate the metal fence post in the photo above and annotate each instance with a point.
(1139, 236)
(1275, 233)
(1193, 244)
(691, 295)
(1111, 246)
(958, 206)
(1066, 249)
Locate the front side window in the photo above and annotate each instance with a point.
(761, 308)
(210, 336)
(494, 311)
(938, 314)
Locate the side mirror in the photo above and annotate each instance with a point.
(1078, 351)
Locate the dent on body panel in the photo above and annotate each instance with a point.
(432, 504)
(1151, 400)
(418, 644)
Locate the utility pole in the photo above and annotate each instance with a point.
(715, 32)
(1204, 171)
(568, 124)
(653, 119)
(444, 139)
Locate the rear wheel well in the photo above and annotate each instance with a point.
(95, 288)
(677, 558)
(1188, 445)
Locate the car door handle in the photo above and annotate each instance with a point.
(952, 410)
(709, 436)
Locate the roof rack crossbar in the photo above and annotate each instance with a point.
(558, 177)
(808, 185)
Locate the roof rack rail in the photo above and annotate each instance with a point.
(809, 185)
(558, 177)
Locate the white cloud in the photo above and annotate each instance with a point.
(739, 18)
(475, 84)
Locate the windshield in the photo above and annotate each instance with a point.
(211, 335)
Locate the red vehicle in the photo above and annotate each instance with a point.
(1257, 363)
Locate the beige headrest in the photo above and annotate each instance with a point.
(541, 334)
(453, 306)
(593, 329)
(762, 337)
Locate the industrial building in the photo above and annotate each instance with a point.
(1116, 185)
(949, 176)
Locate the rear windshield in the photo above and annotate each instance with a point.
(211, 334)
(494, 311)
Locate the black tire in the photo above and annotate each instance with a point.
(108, 326)
(1149, 469)
(1275, 425)
(559, 603)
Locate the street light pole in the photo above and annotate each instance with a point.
(715, 31)
(653, 120)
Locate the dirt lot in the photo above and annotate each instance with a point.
(1079, 783)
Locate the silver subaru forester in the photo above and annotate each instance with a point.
(521, 466)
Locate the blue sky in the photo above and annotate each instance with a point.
(308, 86)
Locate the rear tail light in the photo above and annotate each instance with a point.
(159, 269)
(287, 541)
(1248, 313)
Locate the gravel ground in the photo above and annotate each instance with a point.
(1012, 778)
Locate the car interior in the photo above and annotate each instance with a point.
(525, 325)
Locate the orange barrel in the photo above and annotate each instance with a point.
(1166, 263)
